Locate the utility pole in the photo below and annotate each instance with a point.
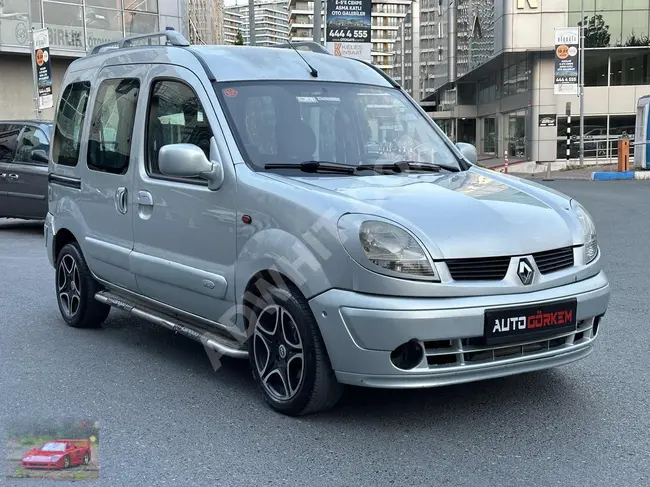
(251, 22)
(318, 30)
(582, 82)
(34, 72)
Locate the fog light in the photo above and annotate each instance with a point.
(408, 355)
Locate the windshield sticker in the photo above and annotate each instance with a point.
(230, 92)
(306, 99)
(328, 98)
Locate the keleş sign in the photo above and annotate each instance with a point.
(566, 61)
(348, 28)
(43, 68)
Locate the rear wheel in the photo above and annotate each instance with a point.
(76, 289)
(288, 357)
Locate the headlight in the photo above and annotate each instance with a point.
(589, 231)
(385, 248)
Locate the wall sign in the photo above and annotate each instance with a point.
(521, 4)
(547, 120)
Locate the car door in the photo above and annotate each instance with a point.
(9, 133)
(27, 175)
(184, 234)
(107, 174)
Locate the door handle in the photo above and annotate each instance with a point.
(145, 198)
(12, 177)
(120, 200)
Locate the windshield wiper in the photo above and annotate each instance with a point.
(314, 166)
(401, 166)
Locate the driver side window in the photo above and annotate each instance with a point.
(175, 116)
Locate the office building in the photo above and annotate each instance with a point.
(491, 79)
(387, 16)
(271, 21)
(75, 27)
(205, 21)
(234, 24)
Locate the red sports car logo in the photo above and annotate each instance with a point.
(58, 454)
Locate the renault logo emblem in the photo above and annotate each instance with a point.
(525, 271)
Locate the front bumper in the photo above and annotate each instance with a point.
(360, 332)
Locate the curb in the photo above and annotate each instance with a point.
(610, 176)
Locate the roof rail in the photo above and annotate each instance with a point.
(304, 46)
(173, 37)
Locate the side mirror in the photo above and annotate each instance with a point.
(39, 155)
(189, 161)
(468, 151)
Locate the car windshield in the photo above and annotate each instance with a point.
(53, 447)
(343, 123)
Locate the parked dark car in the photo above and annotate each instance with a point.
(24, 152)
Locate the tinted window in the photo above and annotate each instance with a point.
(111, 128)
(32, 139)
(8, 137)
(69, 123)
(175, 117)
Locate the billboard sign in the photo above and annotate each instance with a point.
(348, 28)
(567, 41)
(43, 68)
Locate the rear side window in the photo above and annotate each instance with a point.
(111, 128)
(32, 139)
(69, 123)
(8, 138)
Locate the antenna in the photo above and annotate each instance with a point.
(312, 70)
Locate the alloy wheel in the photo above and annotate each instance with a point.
(278, 353)
(68, 285)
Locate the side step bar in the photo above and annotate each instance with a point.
(213, 339)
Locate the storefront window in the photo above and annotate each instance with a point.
(143, 5)
(516, 135)
(595, 130)
(489, 135)
(116, 4)
(140, 23)
(102, 25)
(65, 23)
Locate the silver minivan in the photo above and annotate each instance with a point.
(299, 210)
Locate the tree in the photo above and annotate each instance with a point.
(596, 31)
(239, 39)
(634, 40)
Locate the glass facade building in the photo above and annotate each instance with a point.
(493, 70)
(75, 27)
(78, 25)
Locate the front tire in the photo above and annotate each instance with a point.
(66, 462)
(76, 289)
(86, 459)
(288, 357)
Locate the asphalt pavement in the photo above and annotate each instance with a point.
(167, 418)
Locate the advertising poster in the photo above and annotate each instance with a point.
(43, 68)
(566, 61)
(348, 30)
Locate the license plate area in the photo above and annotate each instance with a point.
(529, 323)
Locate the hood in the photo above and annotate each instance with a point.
(461, 215)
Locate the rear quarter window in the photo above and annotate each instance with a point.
(69, 123)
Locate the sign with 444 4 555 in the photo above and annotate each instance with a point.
(348, 27)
